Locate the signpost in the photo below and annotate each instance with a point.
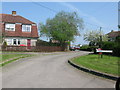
(103, 51)
(107, 51)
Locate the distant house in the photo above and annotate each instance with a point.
(113, 34)
(54, 41)
(18, 30)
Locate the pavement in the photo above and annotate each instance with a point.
(50, 71)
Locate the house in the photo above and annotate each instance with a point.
(113, 34)
(54, 41)
(18, 30)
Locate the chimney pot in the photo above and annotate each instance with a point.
(112, 30)
(13, 12)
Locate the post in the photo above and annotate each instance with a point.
(101, 41)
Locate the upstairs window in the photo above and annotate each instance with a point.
(26, 28)
(10, 27)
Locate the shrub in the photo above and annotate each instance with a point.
(108, 45)
(4, 45)
(44, 43)
(115, 46)
(85, 48)
(116, 49)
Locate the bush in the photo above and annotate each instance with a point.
(4, 45)
(88, 48)
(85, 48)
(115, 46)
(44, 43)
(116, 49)
(108, 45)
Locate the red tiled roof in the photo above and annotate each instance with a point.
(9, 18)
(113, 34)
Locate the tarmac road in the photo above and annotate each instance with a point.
(50, 71)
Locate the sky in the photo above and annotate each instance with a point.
(94, 14)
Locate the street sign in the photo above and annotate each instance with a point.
(107, 51)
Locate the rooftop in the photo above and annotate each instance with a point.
(13, 18)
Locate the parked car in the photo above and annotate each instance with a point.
(77, 48)
(74, 48)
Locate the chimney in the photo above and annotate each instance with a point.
(112, 30)
(14, 13)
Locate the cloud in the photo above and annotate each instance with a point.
(82, 14)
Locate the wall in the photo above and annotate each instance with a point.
(34, 48)
(9, 40)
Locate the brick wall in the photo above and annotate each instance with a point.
(34, 48)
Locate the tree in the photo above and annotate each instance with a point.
(63, 27)
(93, 37)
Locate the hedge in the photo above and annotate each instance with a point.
(115, 46)
(108, 45)
(88, 48)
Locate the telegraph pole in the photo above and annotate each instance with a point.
(100, 46)
(100, 38)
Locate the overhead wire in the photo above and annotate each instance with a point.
(45, 7)
(36, 3)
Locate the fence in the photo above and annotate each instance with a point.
(34, 48)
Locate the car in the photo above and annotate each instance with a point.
(74, 48)
(77, 48)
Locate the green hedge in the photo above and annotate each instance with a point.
(116, 49)
(44, 43)
(115, 46)
(88, 48)
(85, 47)
(108, 45)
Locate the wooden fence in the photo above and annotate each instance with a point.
(34, 48)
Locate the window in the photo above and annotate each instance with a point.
(26, 28)
(14, 42)
(10, 27)
(9, 41)
(18, 41)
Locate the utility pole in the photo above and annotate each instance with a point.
(100, 38)
(100, 46)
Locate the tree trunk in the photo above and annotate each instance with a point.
(65, 46)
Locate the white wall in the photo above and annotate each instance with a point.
(9, 41)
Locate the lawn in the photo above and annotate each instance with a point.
(107, 64)
(12, 57)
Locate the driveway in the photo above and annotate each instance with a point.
(50, 71)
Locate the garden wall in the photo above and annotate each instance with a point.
(34, 48)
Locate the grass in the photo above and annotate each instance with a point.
(8, 58)
(107, 64)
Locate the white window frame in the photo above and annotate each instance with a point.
(25, 28)
(13, 41)
(16, 41)
(10, 26)
(9, 41)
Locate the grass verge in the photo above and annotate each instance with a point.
(107, 64)
(8, 58)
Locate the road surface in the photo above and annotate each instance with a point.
(50, 71)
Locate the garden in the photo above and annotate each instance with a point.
(108, 64)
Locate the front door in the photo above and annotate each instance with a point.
(28, 43)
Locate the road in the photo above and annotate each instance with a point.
(50, 71)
